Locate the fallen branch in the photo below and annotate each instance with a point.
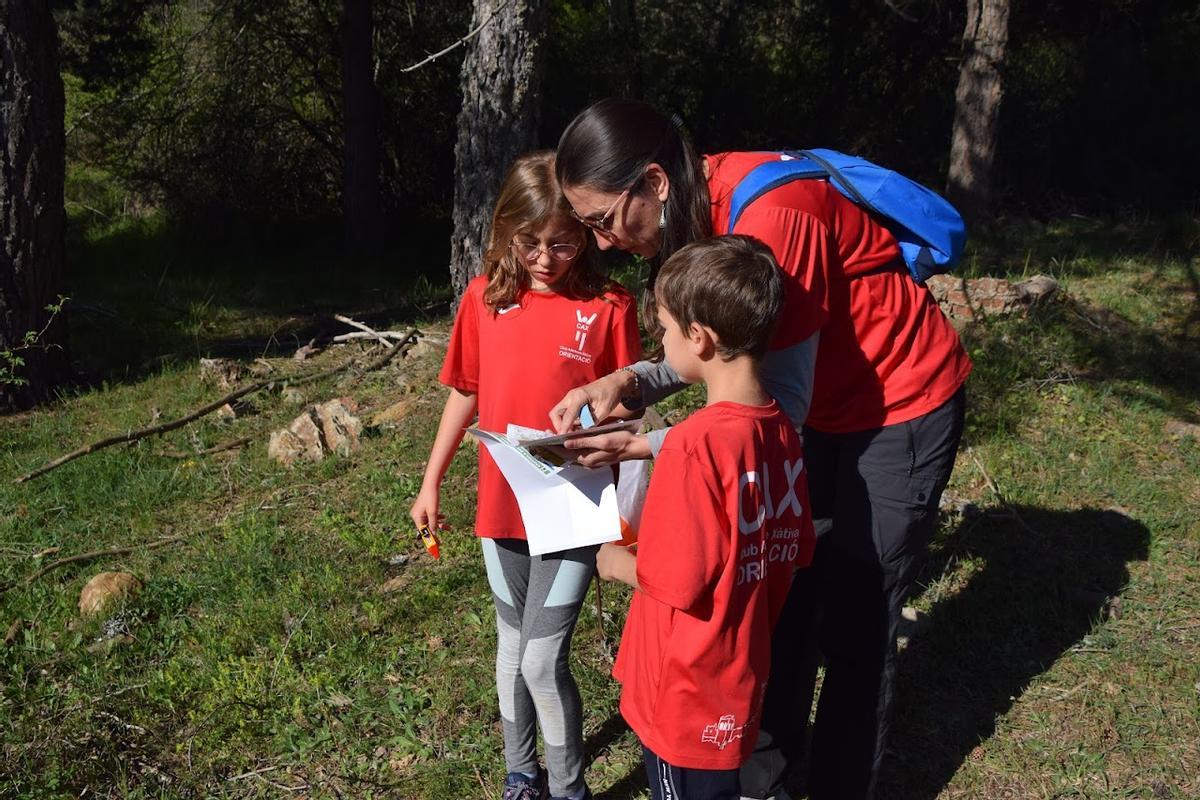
(236, 443)
(370, 331)
(116, 551)
(999, 495)
(250, 774)
(392, 336)
(133, 436)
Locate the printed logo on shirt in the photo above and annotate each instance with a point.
(583, 326)
(760, 504)
(722, 733)
(513, 307)
(755, 507)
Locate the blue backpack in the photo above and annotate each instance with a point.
(929, 230)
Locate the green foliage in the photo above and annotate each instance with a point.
(233, 118)
(11, 360)
(228, 114)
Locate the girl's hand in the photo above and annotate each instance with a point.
(603, 395)
(424, 511)
(615, 563)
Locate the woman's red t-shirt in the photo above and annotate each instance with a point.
(887, 354)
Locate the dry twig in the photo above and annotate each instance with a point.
(236, 443)
(991, 484)
(390, 336)
(371, 331)
(250, 774)
(132, 436)
(462, 41)
(116, 551)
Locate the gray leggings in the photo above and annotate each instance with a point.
(537, 603)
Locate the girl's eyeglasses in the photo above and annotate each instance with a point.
(530, 251)
(604, 224)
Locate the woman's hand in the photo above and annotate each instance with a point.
(424, 511)
(603, 395)
(609, 448)
(616, 563)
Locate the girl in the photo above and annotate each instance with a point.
(538, 322)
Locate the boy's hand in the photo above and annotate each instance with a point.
(424, 511)
(616, 563)
(609, 448)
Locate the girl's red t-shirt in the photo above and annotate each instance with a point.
(521, 360)
(887, 354)
(725, 524)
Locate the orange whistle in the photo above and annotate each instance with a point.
(430, 540)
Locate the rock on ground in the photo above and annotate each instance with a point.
(105, 589)
(971, 298)
(327, 427)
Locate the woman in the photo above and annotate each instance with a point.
(881, 403)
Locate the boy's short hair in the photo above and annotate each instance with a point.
(731, 284)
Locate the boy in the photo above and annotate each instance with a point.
(725, 524)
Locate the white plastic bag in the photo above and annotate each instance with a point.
(632, 480)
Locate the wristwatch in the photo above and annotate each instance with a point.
(633, 400)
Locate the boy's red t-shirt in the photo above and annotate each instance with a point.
(726, 522)
(887, 354)
(521, 360)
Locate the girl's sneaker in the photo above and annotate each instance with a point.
(519, 786)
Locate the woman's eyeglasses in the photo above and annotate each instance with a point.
(530, 251)
(604, 224)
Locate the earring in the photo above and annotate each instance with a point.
(662, 216)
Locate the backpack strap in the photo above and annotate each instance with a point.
(767, 176)
(842, 184)
(928, 230)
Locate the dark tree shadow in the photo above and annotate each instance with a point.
(1048, 576)
(627, 787)
(613, 729)
(1079, 246)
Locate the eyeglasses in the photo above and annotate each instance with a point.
(530, 251)
(605, 223)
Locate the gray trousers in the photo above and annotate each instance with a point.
(537, 604)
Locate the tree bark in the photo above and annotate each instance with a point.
(361, 149)
(977, 107)
(502, 87)
(32, 215)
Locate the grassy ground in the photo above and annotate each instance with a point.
(1059, 654)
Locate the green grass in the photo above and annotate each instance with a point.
(1061, 657)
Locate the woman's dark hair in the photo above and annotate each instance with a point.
(609, 145)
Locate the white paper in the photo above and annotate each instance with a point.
(562, 507)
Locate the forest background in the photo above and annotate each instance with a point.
(234, 172)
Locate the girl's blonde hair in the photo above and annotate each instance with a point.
(529, 198)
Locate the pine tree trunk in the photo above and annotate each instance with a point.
(32, 216)
(502, 87)
(977, 106)
(361, 150)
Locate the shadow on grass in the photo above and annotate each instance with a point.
(1047, 577)
(1070, 341)
(612, 730)
(143, 295)
(1079, 246)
